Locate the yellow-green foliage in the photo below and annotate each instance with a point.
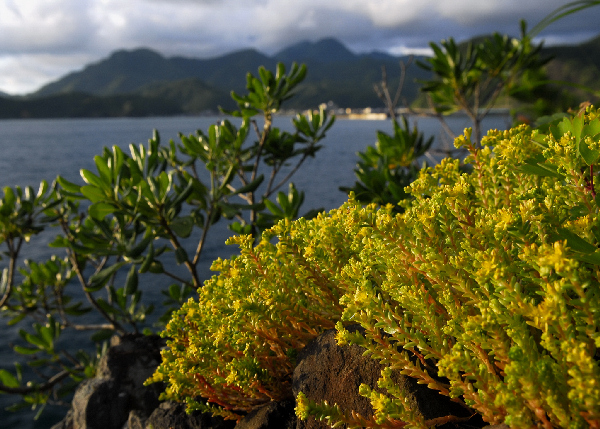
(478, 281)
(235, 344)
(486, 289)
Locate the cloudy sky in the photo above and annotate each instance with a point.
(41, 40)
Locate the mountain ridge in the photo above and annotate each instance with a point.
(335, 74)
(184, 85)
(113, 74)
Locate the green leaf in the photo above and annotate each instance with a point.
(589, 156)
(103, 169)
(131, 283)
(182, 226)
(537, 165)
(186, 192)
(592, 258)
(102, 335)
(9, 200)
(252, 186)
(156, 267)
(47, 334)
(68, 186)
(8, 379)
(77, 310)
(575, 242)
(98, 280)
(239, 229)
(137, 250)
(106, 306)
(181, 255)
(36, 340)
(25, 350)
(229, 211)
(91, 179)
(93, 193)
(100, 210)
(227, 178)
(272, 207)
(17, 319)
(149, 259)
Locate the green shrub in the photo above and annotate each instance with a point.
(235, 344)
(486, 289)
(490, 280)
(144, 211)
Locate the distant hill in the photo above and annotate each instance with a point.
(198, 85)
(325, 51)
(143, 82)
(576, 63)
(79, 105)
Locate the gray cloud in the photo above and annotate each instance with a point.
(41, 40)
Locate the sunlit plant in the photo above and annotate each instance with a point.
(148, 209)
(485, 289)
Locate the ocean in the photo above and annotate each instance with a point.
(35, 149)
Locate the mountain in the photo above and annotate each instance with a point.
(79, 105)
(143, 82)
(576, 63)
(129, 71)
(192, 95)
(323, 51)
(334, 74)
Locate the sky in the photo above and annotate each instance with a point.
(42, 40)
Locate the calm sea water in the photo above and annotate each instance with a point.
(32, 150)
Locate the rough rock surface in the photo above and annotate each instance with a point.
(117, 399)
(326, 371)
(105, 401)
(279, 415)
(172, 415)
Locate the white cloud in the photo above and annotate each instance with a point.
(43, 26)
(20, 74)
(40, 40)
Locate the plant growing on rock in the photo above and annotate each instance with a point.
(232, 349)
(486, 289)
(146, 211)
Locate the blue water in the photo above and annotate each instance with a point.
(32, 150)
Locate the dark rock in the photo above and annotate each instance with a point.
(274, 415)
(136, 420)
(117, 399)
(172, 415)
(98, 404)
(328, 372)
(106, 401)
(130, 361)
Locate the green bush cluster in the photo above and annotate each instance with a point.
(235, 344)
(486, 289)
(140, 212)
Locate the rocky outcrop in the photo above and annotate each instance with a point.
(279, 415)
(172, 415)
(326, 371)
(105, 401)
(117, 399)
